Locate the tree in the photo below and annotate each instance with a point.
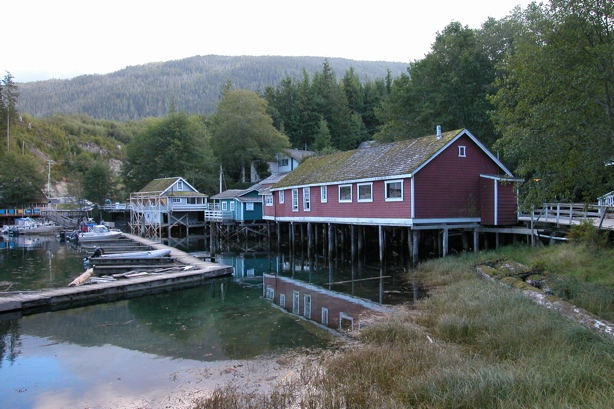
(8, 105)
(449, 87)
(322, 144)
(177, 145)
(21, 179)
(97, 182)
(555, 106)
(244, 132)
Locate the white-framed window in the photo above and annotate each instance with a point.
(282, 300)
(462, 151)
(176, 200)
(307, 306)
(282, 197)
(270, 292)
(224, 206)
(365, 192)
(295, 200)
(345, 193)
(268, 200)
(249, 207)
(324, 316)
(323, 194)
(306, 199)
(394, 190)
(232, 206)
(283, 162)
(295, 302)
(180, 185)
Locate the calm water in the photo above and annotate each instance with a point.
(133, 347)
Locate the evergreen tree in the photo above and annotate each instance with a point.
(8, 106)
(96, 182)
(21, 179)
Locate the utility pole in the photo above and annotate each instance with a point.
(49, 162)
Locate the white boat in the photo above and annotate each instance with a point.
(135, 254)
(27, 225)
(99, 232)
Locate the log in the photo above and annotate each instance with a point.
(82, 278)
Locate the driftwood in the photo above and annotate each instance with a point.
(82, 278)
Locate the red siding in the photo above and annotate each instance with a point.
(378, 208)
(449, 186)
(507, 204)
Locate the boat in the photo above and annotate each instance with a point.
(27, 225)
(99, 232)
(132, 254)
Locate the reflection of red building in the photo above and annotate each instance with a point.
(329, 308)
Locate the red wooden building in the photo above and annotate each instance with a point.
(440, 182)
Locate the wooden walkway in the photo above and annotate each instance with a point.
(568, 214)
(196, 272)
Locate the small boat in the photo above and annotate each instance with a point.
(99, 232)
(27, 225)
(133, 254)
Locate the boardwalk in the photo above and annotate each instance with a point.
(197, 272)
(568, 214)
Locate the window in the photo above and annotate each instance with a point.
(180, 185)
(176, 200)
(295, 302)
(224, 206)
(295, 200)
(345, 193)
(323, 194)
(365, 192)
(232, 206)
(270, 292)
(462, 151)
(394, 191)
(268, 200)
(282, 300)
(307, 306)
(282, 197)
(249, 207)
(283, 162)
(306, 199)
(324, 316)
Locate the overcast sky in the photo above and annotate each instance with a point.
(44, 39)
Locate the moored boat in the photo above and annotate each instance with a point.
(99, 232)
(134, 254)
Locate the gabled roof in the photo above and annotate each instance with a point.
(162, 185)
(228, 194)
(297, 154)
(397, 159)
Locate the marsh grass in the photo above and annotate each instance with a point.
(472, 343)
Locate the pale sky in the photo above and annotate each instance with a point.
(44, 39)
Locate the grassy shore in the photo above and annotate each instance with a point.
(473, 343)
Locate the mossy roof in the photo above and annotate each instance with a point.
(376, 162)
(163, 184)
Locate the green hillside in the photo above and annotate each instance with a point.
(193, 83)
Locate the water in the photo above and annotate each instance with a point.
(122, 351)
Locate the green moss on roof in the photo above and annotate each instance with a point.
(159, 185)
(397, 158)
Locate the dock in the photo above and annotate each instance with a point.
(196, 272)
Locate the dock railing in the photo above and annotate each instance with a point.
(568, 213)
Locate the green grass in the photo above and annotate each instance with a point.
(473, 343)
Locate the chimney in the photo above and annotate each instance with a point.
(438, 131)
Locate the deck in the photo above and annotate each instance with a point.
(197, 272)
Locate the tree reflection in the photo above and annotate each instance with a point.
(10, 342)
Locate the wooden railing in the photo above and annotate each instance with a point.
(568, 213)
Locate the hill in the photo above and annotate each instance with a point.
(193, 83)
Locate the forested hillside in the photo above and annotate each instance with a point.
(193, 83)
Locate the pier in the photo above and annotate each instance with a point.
(196, 272)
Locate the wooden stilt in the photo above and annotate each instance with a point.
(415, 245)
(444, 242)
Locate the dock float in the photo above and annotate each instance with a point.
(197, 272)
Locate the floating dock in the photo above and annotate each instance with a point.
(196, 272)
